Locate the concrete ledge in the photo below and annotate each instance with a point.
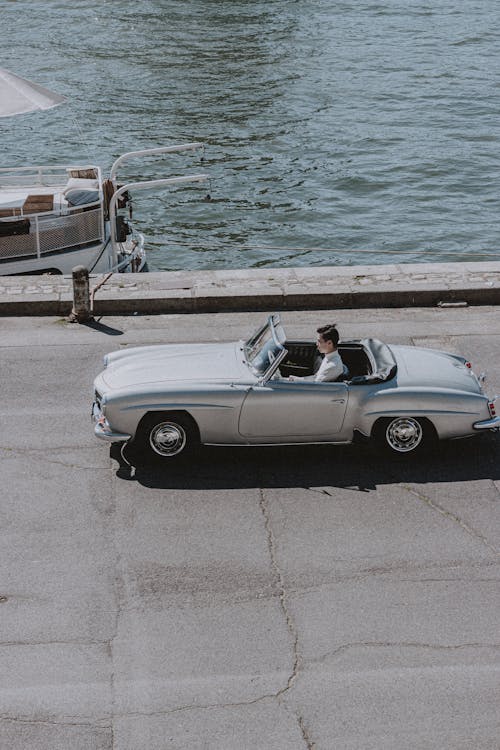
(321, 287)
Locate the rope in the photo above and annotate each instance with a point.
(83, 140)
(96, 287)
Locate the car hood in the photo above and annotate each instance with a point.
(434, 369)
(180, 363)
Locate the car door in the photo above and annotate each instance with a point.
(294, 411)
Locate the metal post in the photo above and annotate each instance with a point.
(81, 296)
(37, 237)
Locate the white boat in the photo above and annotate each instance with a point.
(53, 218)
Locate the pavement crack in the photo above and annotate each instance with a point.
(69, 642)
(400, 644)
(196, 707)
(280, 585)
(118, 590)
(310, 745)
(451, 516)
(449, 580)
(496, 485)
(39, 455)
(51, 722)
(319, 491)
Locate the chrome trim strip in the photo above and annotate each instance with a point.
(175, 406)
(418, 412)
(488, 424)
(101, 425)
(110, 437)
(271, 445)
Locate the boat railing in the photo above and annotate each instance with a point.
(161, 151)
(40, 234)
(45, 176)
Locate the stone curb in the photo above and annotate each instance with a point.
(405, 285)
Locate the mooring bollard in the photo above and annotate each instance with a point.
(81, 296)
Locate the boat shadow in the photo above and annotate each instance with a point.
(359, 467)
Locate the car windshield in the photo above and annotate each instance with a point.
(262, 349)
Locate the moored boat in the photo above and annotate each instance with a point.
(53, 218)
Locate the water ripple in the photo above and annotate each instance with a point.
(352, 132)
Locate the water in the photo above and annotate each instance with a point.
(337, 132)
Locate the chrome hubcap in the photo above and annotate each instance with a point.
(403, 435)
(167, 439)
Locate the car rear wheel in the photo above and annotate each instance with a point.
(404, 436)
(167, 436)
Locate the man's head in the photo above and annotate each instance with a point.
(328, 338)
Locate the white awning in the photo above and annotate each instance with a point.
(17, 95)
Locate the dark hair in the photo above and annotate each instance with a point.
(329, 333)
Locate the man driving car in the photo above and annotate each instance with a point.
(331, 367)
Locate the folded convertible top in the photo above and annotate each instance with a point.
(383, 362)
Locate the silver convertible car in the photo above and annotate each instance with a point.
(169, 398)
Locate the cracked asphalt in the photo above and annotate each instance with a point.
(294, 598)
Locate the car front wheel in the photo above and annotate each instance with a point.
(403, 436)
(167, 436)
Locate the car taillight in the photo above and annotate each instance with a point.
(468, 365)
(492, 410)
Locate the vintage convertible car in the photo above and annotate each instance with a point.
(169, 398)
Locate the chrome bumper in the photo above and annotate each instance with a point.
(102, 429)
(488, 424)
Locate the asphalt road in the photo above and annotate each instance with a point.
(256, 598)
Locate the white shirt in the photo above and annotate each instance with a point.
(331, 368)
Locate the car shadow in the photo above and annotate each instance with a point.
(359, 467)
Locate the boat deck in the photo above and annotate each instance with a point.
(46, 210)
(34, 200)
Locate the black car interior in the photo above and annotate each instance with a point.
(368, 360)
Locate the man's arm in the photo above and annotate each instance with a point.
(329, 371)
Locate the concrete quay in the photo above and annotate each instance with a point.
(321, 287)
(286, 598)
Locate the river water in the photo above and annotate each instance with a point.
(336, 132)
